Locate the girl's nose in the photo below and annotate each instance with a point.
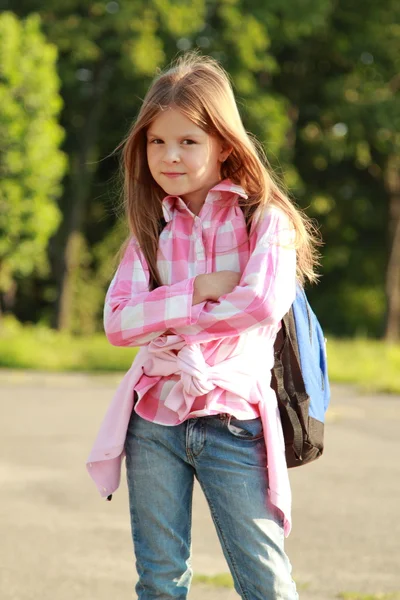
(171, 154)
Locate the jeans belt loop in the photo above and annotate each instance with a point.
(226, 417)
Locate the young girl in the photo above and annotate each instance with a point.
(209, 270)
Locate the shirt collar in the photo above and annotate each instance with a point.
(226, 185)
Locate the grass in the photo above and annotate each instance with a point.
(371, 365)
(41, 348)
(224, 580)
(378, 596)
(221, 580)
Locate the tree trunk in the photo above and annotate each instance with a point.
(392, 183)
(9, 298)
(81, 177)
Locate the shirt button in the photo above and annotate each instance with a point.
(90, 464)
(104, 489)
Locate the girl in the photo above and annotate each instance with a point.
(209, 270)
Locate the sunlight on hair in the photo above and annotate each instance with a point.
(201, 89)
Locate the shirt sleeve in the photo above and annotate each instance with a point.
(266, 290)
(133, 315)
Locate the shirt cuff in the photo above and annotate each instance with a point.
(197, 308)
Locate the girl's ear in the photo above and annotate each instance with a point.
(225, 152)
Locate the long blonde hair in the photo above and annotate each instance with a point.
(200, 88)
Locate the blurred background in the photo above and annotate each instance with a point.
(317, 81)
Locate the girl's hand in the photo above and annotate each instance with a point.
(210, 286)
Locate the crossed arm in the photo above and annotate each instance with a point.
(209, 306)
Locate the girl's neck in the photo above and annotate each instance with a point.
(195, 205)
(195, 200)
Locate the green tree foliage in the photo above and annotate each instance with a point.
(344, 81)
(31, 164)
(317, 82)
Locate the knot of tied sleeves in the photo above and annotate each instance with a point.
(196, 374)
(170, 355)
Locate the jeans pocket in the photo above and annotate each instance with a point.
(246, 429)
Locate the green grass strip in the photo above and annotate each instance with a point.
(378, 596)
(221, 580)
(224, 580)
(370, 364)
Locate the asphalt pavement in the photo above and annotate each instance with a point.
(60, 540)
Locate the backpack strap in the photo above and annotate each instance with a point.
(287, 379)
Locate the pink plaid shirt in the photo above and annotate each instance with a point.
(217, 356)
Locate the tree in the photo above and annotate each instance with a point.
(102, 47)
(31, 163)
(345, 83)
(108, 54)
(306, 86)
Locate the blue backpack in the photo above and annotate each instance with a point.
(300, 380)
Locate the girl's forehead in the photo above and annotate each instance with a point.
(172, 118)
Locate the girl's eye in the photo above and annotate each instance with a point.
(158, 141)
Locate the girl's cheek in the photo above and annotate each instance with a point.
(196, 157)
(153, 156)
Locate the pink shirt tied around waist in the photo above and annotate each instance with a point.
(168, 355)
(203, 357)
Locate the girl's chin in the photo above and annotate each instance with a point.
(173, 185)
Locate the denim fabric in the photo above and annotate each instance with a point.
(228, 458)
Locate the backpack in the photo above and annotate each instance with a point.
(300, 380)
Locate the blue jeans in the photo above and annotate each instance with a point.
(228, 458)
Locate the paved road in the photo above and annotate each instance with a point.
(59, 540)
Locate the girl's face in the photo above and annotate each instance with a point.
(175, 145)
